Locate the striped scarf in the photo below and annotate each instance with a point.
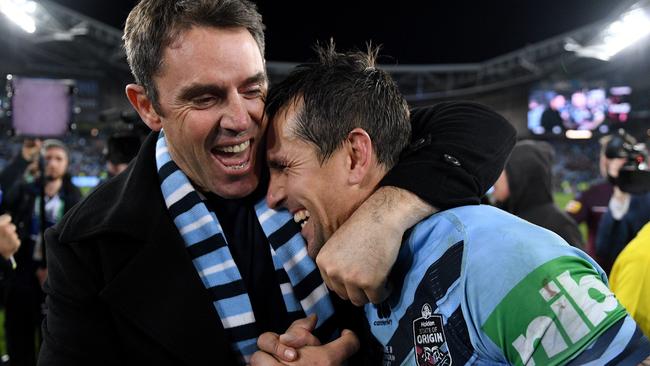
(302, 288)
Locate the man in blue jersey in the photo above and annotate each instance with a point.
(471, 285)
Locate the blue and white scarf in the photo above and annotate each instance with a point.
(302, 288)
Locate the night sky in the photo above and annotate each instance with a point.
(411, 32)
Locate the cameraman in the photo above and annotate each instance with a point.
(628, 212)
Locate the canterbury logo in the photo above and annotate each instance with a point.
(579, 308)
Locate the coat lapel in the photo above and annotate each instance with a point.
(159, 289)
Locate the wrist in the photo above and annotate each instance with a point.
(401, 208)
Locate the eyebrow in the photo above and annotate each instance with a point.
(194, 90)
(260, 77)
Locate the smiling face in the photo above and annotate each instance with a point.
(319, 196)
(336, 127)
(211, 89)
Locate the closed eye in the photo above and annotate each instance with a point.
(201, 95)
(277, 166)
(204, 101)
(254, 93)
(255, 86)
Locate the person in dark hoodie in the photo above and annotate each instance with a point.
(524, 189)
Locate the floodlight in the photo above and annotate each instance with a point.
(20, 12)
(628, 29)
(622, 33)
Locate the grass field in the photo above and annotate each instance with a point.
(3, 345)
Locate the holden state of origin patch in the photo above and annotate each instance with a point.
(429, 339)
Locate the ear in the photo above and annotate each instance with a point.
(144, 106)
(360, 153)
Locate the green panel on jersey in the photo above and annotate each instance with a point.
(553, 313)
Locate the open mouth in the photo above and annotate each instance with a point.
(233, 157)
(301, 217)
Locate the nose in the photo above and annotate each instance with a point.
(236, 118)
(275, 195)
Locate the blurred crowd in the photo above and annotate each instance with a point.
(86, 155)
(36, 190)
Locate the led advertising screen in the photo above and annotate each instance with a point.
(570, 107)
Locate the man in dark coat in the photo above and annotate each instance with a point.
(525, 189)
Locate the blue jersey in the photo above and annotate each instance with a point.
(478, 286)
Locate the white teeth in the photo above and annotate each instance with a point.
(301, 217)
(238, 167)
(235, 148)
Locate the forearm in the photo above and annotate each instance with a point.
(395, 207)
(356, 260)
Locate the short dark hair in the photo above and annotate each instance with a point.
(152, 25)
(340, 92)
(56, 144)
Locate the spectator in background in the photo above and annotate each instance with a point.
(24, 295)
(630, 279)
(524, 189)
(591, 204)
(120, 150)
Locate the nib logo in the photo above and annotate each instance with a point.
(553, 313)
(576, 313)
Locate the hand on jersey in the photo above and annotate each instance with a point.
(357, 258)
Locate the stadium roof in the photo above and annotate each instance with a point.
(437, 49)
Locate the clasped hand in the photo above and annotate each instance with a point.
(298, 347)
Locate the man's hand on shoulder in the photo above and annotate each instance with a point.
(356, 260)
